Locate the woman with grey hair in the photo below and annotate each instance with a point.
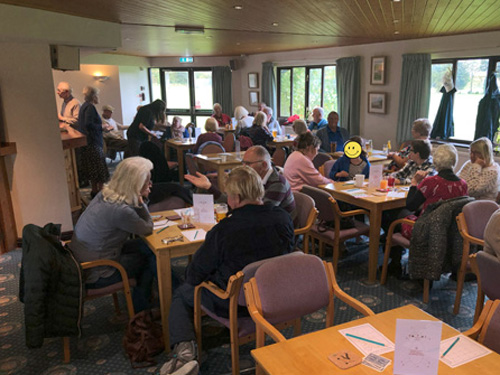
(93, 163)
(243, 119)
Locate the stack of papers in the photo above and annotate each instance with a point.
(463, 351)
(367, 339)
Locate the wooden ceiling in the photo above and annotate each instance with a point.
(148, 26)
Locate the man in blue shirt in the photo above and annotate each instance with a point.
(319, 122)
(332, 133)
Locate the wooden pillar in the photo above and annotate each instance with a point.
(8, 231)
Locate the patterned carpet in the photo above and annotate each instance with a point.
(99, 350)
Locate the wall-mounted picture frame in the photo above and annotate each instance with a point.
(253, 80)
(254, 98)
(378, 70)
(377, 102)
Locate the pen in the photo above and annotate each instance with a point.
(362, 338)
(451, 346)
(195, 235)
(162, 229)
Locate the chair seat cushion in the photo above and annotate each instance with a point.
(110, 289)
(359, 229)
(246, 326)
(172, 164)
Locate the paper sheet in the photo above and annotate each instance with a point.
(417, 347)
(396, 194)
(464, 351)
(192, 233)
(367, 331)
(203, 205)
(357, 193)
(164, 223)
(375, 176)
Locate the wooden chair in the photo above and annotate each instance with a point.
(487, 268)
(211, 147)
(279, 156)
(113, 289)
(228, 143)
(326, 168)
(306, 217)
(320, 159)
(487, 329)
(289, 288)
(471, 224)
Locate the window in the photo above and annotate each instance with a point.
(302, 88)
(470, 77)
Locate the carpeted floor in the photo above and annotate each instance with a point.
(99, 350)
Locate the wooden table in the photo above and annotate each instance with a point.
(180, 146)
(374, 204)
(281, 142)
(215, 162)
(308, 354)
(225, 131)
(377, 157)
(164, 254)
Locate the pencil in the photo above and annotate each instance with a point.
(367, 340)
(195, 235)
(162, 229)
(451, 346)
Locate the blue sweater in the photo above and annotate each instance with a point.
(343, 165)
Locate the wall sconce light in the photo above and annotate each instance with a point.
(98, 76)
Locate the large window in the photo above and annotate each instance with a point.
(301, 88)
(470, 77)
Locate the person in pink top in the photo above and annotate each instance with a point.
(299, 169)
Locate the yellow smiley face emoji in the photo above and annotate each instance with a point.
(352, 149)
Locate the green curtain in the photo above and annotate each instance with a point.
(348, 91)
(414, 92)
(269, 86)
(222, 88)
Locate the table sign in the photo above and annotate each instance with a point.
(417, 347)
(375, 176)
(203, 205)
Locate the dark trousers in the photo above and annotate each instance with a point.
(140, 263)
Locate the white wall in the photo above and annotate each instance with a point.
(132, 79)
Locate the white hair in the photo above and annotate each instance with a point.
(267, 110)
(321, 110)
(89, 92)
(445, 157)
(65, 86)
(240, 112)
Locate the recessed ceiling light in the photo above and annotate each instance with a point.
(396, 32)
(238, 7)
(275, 24)
(396, 1)
(238, 43)
(396, 21)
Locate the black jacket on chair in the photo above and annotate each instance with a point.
(50, 286)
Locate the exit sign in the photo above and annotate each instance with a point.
(186, 59)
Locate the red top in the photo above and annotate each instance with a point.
(437, 188)
(223, 120)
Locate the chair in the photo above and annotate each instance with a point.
(320, 159)
(487, 329)
(161, 169)
(471, 224)
(245, 142)
(210, 147)
(289, 288)
(91, 294)
(487, 268)
(241, 329)
(327, 167)
(228, 143)
(191, 165)
(329, 212)
(306, 217)
(279, 156)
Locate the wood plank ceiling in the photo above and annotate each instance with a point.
(148, 26)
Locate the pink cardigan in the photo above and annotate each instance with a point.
(299, 171)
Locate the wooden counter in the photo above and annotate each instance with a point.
(8, 231)
(72, 139)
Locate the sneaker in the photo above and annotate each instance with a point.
(184, 354)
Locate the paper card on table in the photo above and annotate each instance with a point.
(463, 351)
(194, 234)
(417, 347)
(367, 339)
(375, 176)
(357, 193)
(203, 205)
(163, 223)
(396, 194)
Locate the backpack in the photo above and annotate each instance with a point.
(144, 338)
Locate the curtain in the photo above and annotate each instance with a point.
(443, 124)
(488, 111)
(414, 92)
(269, 86)
(222, 89)
(348, 91)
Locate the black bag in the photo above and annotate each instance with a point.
(144, 338)
(345, 223)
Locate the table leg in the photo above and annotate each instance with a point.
(165, 289)
(167, 151)
(180, 160)
(375, 224)
(221, 177)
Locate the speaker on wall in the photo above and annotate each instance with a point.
(65, 58)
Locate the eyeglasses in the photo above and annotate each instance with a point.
(246, 162)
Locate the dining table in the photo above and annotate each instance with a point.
(375, 202)
(180, 145)
(308, 354)
(376, 157)
(165, 252)
(220, 162)
(282, 141)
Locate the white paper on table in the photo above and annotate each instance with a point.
(417, 347)
(375, 176)
(192, 233)
(203, 205)
(180, 211)
(464, 351)
(369, 332)
(163, 223)
(357, 193)
(396, 194)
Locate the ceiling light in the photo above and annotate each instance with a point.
(189, 29)
(275, 24)
(396, 32)
(238, 43)
(396, 1)
(396, 21)
(238, 7)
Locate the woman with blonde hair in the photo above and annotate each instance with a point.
(104, 229)
(209, 136)
(259, 132)
(481, 172)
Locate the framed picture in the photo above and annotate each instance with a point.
(254, 98)
(378, 70)
(377, 102)
(253, 80)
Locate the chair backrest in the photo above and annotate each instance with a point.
(160, 172)
(303, 206)
(489, 269)
(327, 167)
(279, 156)
(245, 142)
(210, 147)
(477, 214)
(321, 159)
(191, 165)
(490, 332)
(228, 143)
(322, 201)
(170, 203)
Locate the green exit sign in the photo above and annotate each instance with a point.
(186, 59)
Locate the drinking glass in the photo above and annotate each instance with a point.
(221, 211)
(385, 149)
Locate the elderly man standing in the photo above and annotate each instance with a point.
(221, 118)
(70, 107)
(272, 124)
(254, 231)
(319, 122)
(333, 133)
(277, 189)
